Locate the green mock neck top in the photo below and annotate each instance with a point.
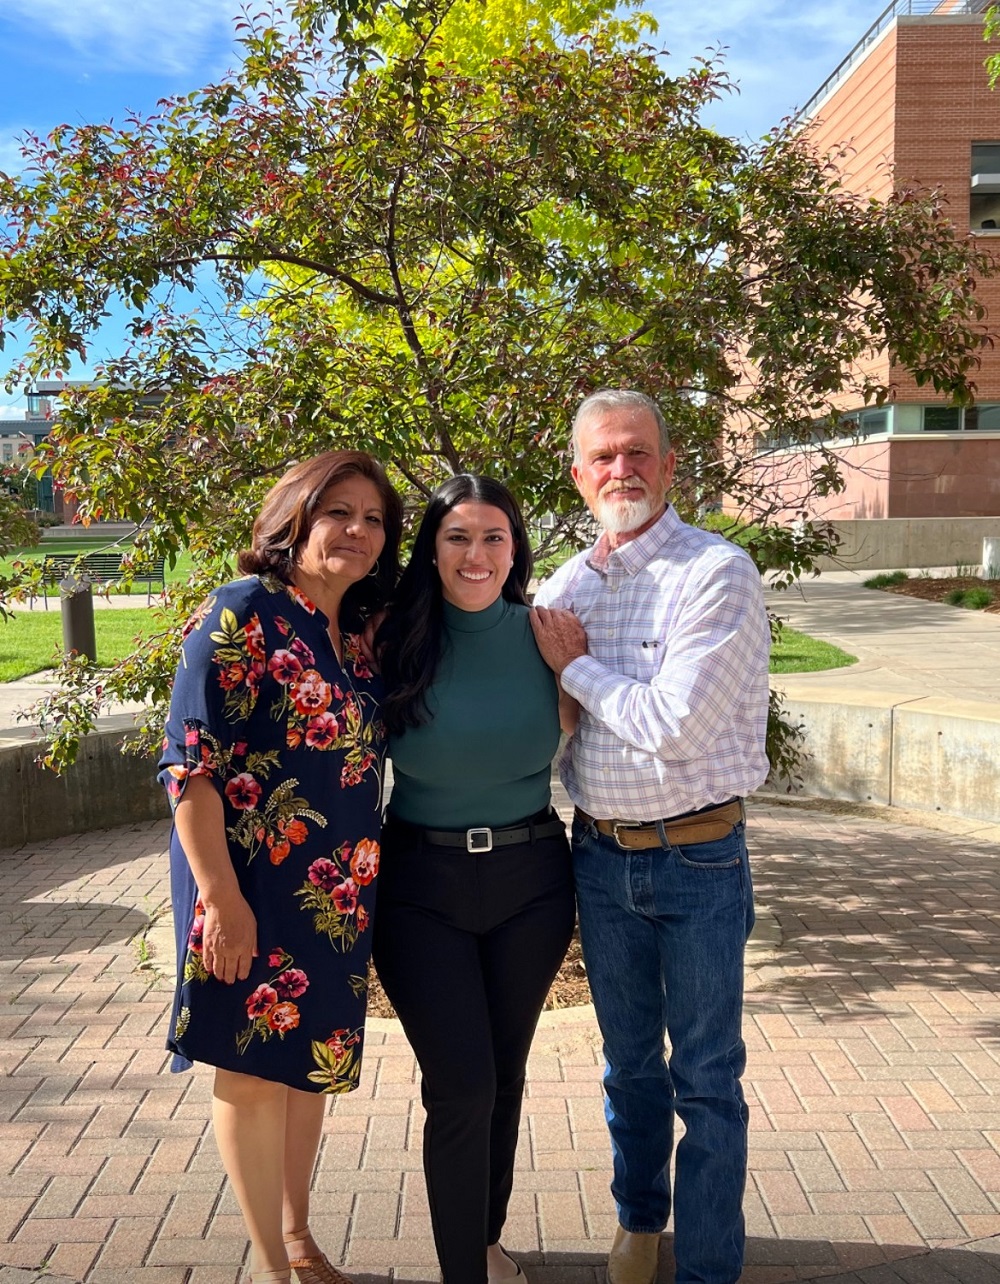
(484, 757)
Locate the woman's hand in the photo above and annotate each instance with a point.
(366, 638)
(230, 934)
(230, 939)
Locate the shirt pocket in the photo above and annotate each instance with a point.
(644, 657)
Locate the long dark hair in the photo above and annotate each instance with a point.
(411, 640)
(287, 515)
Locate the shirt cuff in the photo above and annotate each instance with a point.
(581, 676)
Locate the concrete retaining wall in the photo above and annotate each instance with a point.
(925, 754)
(103, 788)
(897, 543)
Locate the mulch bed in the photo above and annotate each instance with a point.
(569, 989)
(935, 590)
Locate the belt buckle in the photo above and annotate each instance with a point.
(624, 824)
(479, 840)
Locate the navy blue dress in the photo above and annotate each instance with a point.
(294, 744)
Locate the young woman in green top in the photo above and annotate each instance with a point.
(475, 905)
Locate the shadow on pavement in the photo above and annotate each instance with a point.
(862, 916)
(46, 930)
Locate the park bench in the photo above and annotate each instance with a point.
(100, 568)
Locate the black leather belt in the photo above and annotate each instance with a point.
(706, 826)
(484, 839)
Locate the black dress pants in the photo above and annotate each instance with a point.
(466, 946)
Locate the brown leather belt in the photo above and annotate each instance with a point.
(699, 827)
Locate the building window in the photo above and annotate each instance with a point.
(865, 423)
(981, 418)
(984, 201)
(942, 418)
(984, 418)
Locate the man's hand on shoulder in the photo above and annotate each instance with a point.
(560, 636)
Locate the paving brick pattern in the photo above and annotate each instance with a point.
(873, 1030)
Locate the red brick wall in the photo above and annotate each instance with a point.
(920, 99)
(943, 105)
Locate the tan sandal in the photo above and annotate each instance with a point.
(317, 1270)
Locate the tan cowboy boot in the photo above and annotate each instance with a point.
(633, 1257)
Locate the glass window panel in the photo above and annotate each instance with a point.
(942, 418)
(874, 421)
(985, 418)
(986, 158)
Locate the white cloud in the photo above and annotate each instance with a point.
(130, 34)
(13, 409)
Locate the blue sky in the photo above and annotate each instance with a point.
(81, 61)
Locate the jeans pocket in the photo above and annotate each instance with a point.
(723, 853)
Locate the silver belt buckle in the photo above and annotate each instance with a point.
(479, 840)
(625, 824)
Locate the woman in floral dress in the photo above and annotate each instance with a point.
(273, 760)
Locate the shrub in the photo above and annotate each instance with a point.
(886, 578)
(974, 599)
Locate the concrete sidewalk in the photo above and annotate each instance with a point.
(872, 1022)
(903, 645)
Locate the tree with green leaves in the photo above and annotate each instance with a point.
(991, 30)
(18, 497)
(427, 228)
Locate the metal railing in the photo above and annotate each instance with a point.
(898, 8)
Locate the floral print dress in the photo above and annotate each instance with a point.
(293, 743)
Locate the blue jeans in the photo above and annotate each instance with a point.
(663, 933)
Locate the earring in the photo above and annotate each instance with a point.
(434, 561)
(373, 573)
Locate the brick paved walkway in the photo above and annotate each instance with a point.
(874, 1081)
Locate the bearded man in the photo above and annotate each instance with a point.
(660, 633)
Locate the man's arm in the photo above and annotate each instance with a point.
(718, 646)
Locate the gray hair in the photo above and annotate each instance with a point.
(618, 399)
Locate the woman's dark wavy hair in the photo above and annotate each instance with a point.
(287, 515)
(411, 640)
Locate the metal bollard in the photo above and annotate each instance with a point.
(77, 603)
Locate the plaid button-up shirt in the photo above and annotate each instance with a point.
(674, 690)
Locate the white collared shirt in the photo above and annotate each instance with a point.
(674, 689)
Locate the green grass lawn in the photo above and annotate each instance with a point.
(799, 653)
(31, 640)
(66, 546)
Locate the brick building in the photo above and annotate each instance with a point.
(912, 101)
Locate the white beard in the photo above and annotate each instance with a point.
(620, 516)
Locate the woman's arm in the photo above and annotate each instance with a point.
(230, 938)
(569, 710)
